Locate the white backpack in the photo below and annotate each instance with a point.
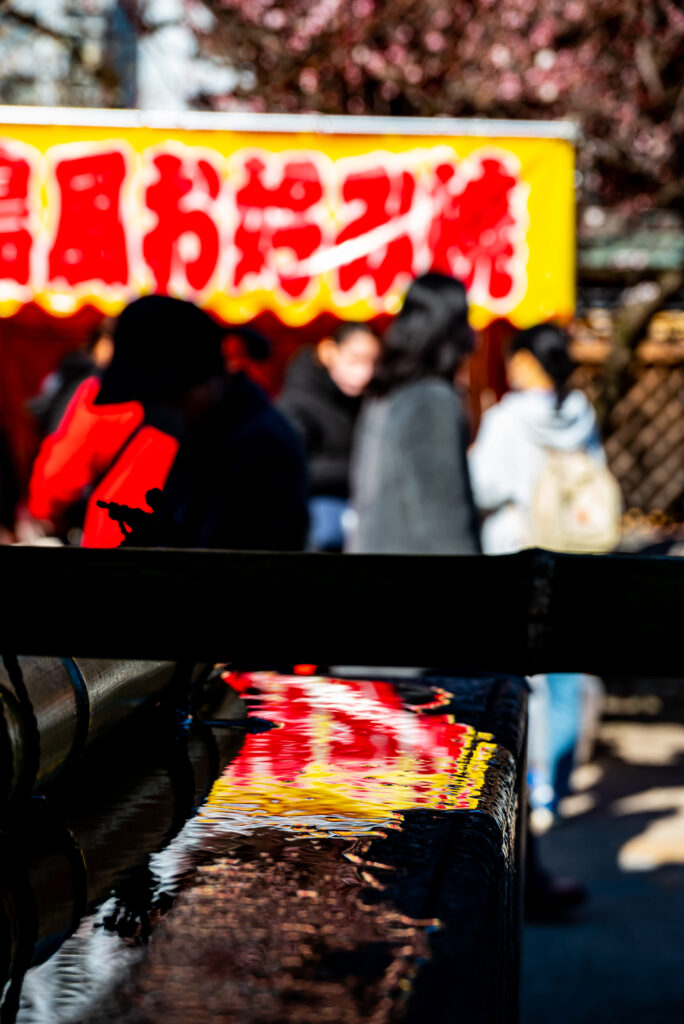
(576, 506)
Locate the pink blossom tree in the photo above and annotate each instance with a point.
(616, 68)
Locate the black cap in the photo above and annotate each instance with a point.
(162, 348)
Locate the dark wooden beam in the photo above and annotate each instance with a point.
(533, 611)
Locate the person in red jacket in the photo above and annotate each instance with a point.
(167, 417)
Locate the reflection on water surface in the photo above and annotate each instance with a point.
(267, 904)
(348, 755)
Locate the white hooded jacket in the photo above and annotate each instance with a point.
(509, 451)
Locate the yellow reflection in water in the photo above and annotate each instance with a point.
(348, 756)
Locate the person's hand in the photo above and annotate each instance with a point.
(28, 530)
(487, 399)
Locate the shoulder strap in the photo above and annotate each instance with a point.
(113, 461)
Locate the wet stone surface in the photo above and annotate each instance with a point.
(353, 861)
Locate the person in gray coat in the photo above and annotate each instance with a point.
(409, 478)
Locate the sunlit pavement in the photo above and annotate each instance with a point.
(618, 957)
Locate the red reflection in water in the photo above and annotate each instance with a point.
(353, 748)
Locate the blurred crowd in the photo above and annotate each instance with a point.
(152, 435)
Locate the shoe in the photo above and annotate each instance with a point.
(550, 899)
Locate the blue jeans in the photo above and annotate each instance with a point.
(326, 532)
(555, 707)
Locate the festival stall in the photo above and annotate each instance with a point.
(288, 222)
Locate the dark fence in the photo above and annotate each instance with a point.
(644, 433)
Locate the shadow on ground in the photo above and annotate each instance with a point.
(618, 958)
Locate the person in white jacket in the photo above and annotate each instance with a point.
(539, 415)
(536, 417)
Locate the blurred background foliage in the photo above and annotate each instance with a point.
(613, 66)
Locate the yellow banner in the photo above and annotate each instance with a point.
(296, 223)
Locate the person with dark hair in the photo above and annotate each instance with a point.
(410, 484)
(539, 476)
(60, 386)
(537, 417)
(322, 399)
(168, 418)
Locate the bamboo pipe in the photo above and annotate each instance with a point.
(52, 709)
